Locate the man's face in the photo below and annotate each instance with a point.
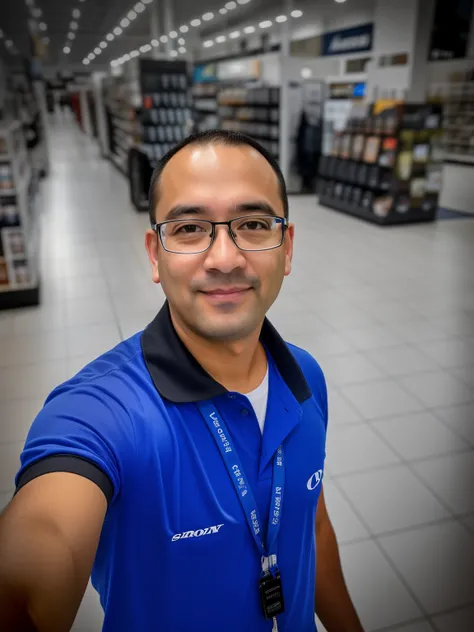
(223, 293)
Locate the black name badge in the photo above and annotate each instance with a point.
(271, 594)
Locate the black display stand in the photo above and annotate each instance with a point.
(252, 111)
(386, 168)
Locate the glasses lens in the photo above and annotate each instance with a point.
(186, 236)
(257, 233)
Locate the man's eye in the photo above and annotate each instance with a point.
(254, 225)
(190, 228)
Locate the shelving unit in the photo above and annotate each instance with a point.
(19, 281)
(253, 111)
(205, 106)
(457, 98)
(387, 167)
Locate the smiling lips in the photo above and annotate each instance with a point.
(227, 294)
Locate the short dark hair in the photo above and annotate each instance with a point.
(221, 137)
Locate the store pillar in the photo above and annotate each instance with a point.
(285, 93)
(155, 27)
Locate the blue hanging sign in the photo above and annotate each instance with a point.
(205, 73)
(357, 39)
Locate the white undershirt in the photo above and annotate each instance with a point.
(259, 398)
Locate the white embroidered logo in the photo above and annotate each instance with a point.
(196, 534)
(314, 480)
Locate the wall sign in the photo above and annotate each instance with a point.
(357, 39)
(244, 69)
(451, 27)
(205, 73)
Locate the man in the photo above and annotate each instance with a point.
(184, 467)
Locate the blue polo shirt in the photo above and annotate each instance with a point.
(176, 552)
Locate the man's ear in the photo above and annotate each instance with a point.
(152, 245)
(288, 245)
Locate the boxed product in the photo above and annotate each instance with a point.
(382, 205)
(371, 149)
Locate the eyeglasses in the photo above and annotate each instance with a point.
(250, 233)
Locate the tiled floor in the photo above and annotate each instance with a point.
(389, 314)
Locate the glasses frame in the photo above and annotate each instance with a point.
(283, 221)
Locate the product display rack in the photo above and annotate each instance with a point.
(205, 106)
(458, 119)
(386, 168)
(149, 110)
(254, 111)
(19, 282)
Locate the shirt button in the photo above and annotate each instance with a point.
(244, 412)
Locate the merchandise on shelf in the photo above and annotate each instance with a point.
(386, 167)
(205, 106)
(18, 234)
(252, 111)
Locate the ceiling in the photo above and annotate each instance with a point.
(99, 17)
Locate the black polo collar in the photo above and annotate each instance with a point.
(179, 378)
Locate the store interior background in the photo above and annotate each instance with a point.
(387, 310)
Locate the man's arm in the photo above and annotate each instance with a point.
(48, 540)
(332, 601)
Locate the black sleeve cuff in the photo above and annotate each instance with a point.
(68, 463)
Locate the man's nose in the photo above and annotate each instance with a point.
(224, 255)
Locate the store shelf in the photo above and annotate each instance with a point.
(466, 159)
(362, 213)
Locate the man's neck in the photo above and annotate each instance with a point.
(239, 366)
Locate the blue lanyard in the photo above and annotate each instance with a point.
(231, 460)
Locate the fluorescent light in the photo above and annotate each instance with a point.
(147, 1)
(223, 11)
(66, 50)
(45, 40)
(126, 57)
(243, 1)
(184, 28)
(181, 41)
(306, 73)
(265, 24)
(296, 13)
(234, 34)
(146, 48)
(42, 26)
(134, 53)
(76, 14)
(97, 51)
(86, 62)
(114, 62)
(124, 23)
(208, 44)
(103, 45)
(181, 50)
(155, 42)
(281, 18)
(91, 56)
(73, 26)
(164, 39)
(208, 16)
(196, 22)
(139, 7)
(109, 37)
(231, 5)
(117, 31)
(249, 29)
(37, 12)
(131, 15)
(174, 53)
(71, 35)
(173, 34)
(340, 1)
(220, 39)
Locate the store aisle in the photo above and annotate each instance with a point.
(388, 313)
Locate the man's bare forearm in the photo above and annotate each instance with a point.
(333, 604)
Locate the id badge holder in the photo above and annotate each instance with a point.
(271, 595)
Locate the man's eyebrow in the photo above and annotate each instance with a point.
(183, 209)
(248, 207)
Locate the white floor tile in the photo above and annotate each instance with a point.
(33, 381)
(438, 388)
(461, 620)
(400, 360)
(379, 596)
(349, 369)
(354, 449)
(437, 562)
(341, 412)
(393, 499)
(381, 399)
(451, 352)
(419, 435)
(91, 339)
(9, 464)
(90, 616)
(420, 626)
(373, 337)
(16, 417)
(5, 498)
(460, 418)
(347, 525)
(450, 477)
